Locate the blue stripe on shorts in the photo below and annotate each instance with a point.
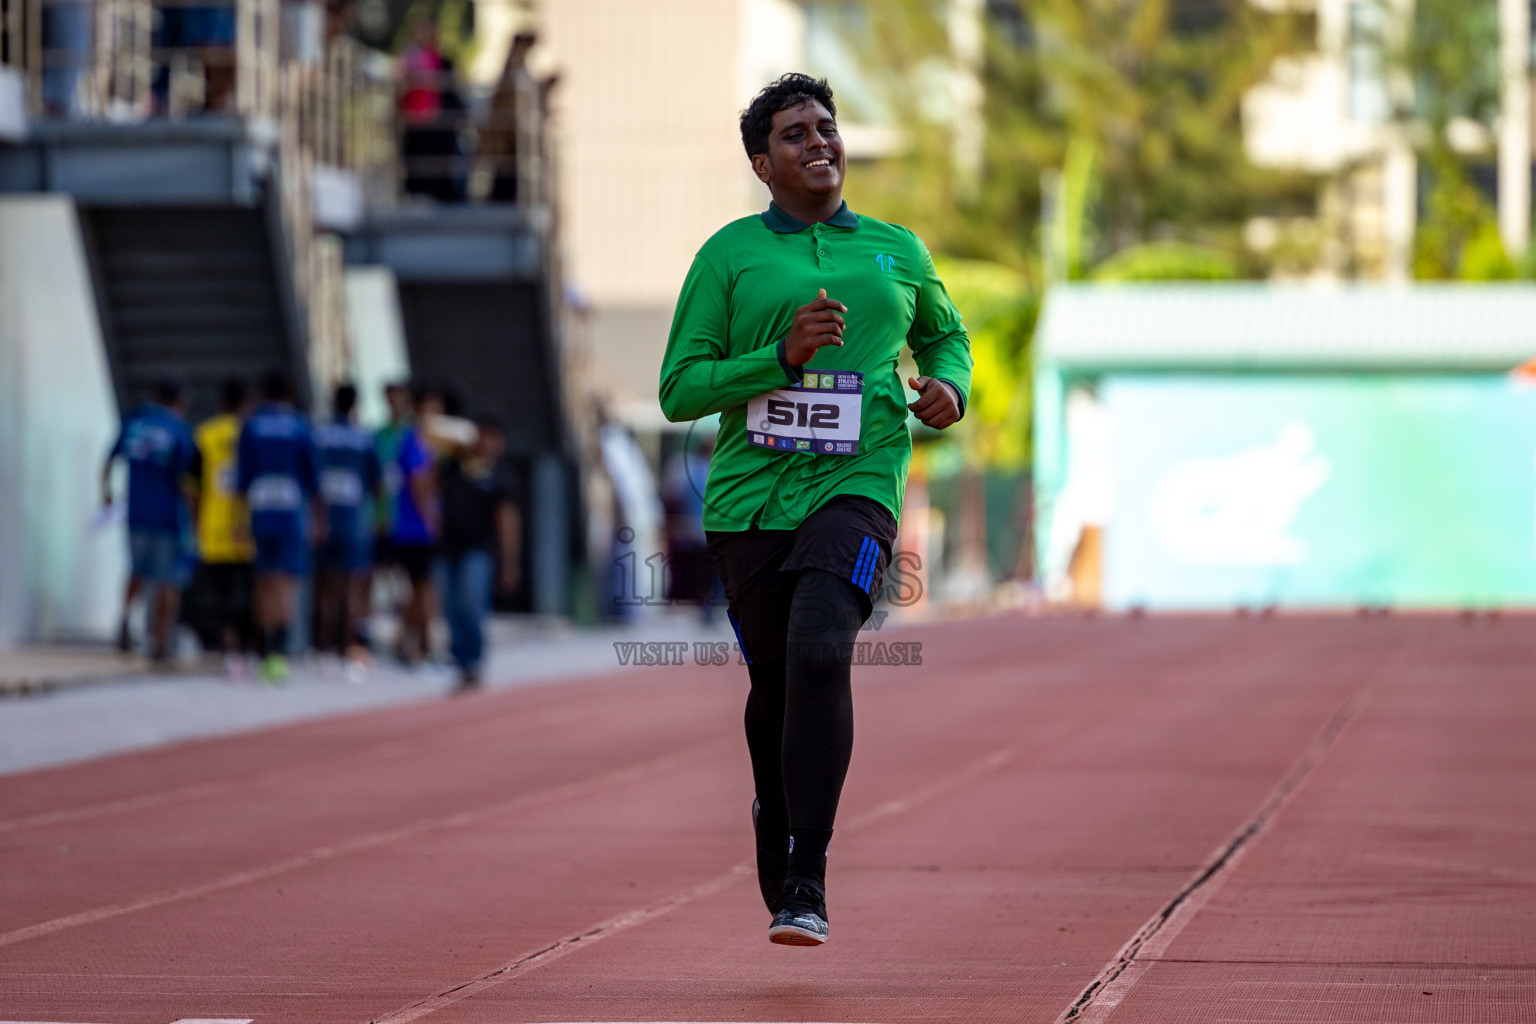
(864, 568)
(736, 628)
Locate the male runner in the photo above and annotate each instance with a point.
(278, 478)
(790, 324)
(349, 481)
(160, 452)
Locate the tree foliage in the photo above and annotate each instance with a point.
(1151, 92)
(1000, 311)
(1450, 58)
(1129, 110)
(1169, 261)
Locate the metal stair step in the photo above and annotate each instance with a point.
(199, 320)
(192, 371)
(188, 264)
(151, 294)
(230, 345)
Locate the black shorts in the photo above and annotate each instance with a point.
(850, 536)
(415, 560)
(221, 597)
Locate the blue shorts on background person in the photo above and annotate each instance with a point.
(155, 557)
(349, 479)
(284, 550)
(208, 26)
(277, 476)
(349, 485)
(158, 447)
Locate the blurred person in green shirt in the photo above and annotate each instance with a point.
(790, 324)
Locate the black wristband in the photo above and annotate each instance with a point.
(794, 373)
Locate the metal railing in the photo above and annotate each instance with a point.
(498, 153)
(124, 60)
(326, 103)
(348, 111)
(127, 60)
(344, 110)
(138, 60)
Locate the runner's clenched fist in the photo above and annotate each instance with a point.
(817, 323)
(936, 404)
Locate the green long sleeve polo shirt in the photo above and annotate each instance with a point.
(726, 347)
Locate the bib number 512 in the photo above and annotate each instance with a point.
(818, 415)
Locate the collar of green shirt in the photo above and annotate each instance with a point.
(784, 224)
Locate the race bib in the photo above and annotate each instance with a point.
(274, 493)
(340, 486)
(820, 415)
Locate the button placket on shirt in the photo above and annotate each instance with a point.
(823, 253)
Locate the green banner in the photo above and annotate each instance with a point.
(1411, 491)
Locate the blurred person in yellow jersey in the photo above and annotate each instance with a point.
(226, 553)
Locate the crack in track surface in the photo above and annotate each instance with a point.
(1096, 1003)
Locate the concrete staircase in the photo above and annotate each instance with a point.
(194, 293)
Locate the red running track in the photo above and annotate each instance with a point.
(1165, 819)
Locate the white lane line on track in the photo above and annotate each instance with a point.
(184, 1020)
(362, 843)
(497, 729)
(587, 937)
(1098, 1002)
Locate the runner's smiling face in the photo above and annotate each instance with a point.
(804, 164)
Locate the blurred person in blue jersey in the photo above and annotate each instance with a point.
(65, 27)
(481, 543)
(349, 483)
(412, 515)
(161, 456)
(277, 475)
(386, 445)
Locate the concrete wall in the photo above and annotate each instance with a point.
(379, 355)
(650, 158)
(60, 573)
(13, 104)
(650, 153)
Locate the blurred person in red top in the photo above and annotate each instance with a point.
(432, 112)
(421, 74)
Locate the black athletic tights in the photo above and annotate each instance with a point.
(800, 719)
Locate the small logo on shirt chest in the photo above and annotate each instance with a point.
(886, 262)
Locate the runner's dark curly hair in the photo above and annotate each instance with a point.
(790, 90)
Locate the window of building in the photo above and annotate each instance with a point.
(1367, 63)
(1196, 17)
(834, 33)
(1008, 22)
(1531, 30)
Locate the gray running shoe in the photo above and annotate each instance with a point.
(802, 918)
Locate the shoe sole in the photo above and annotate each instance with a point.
(788, 935)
